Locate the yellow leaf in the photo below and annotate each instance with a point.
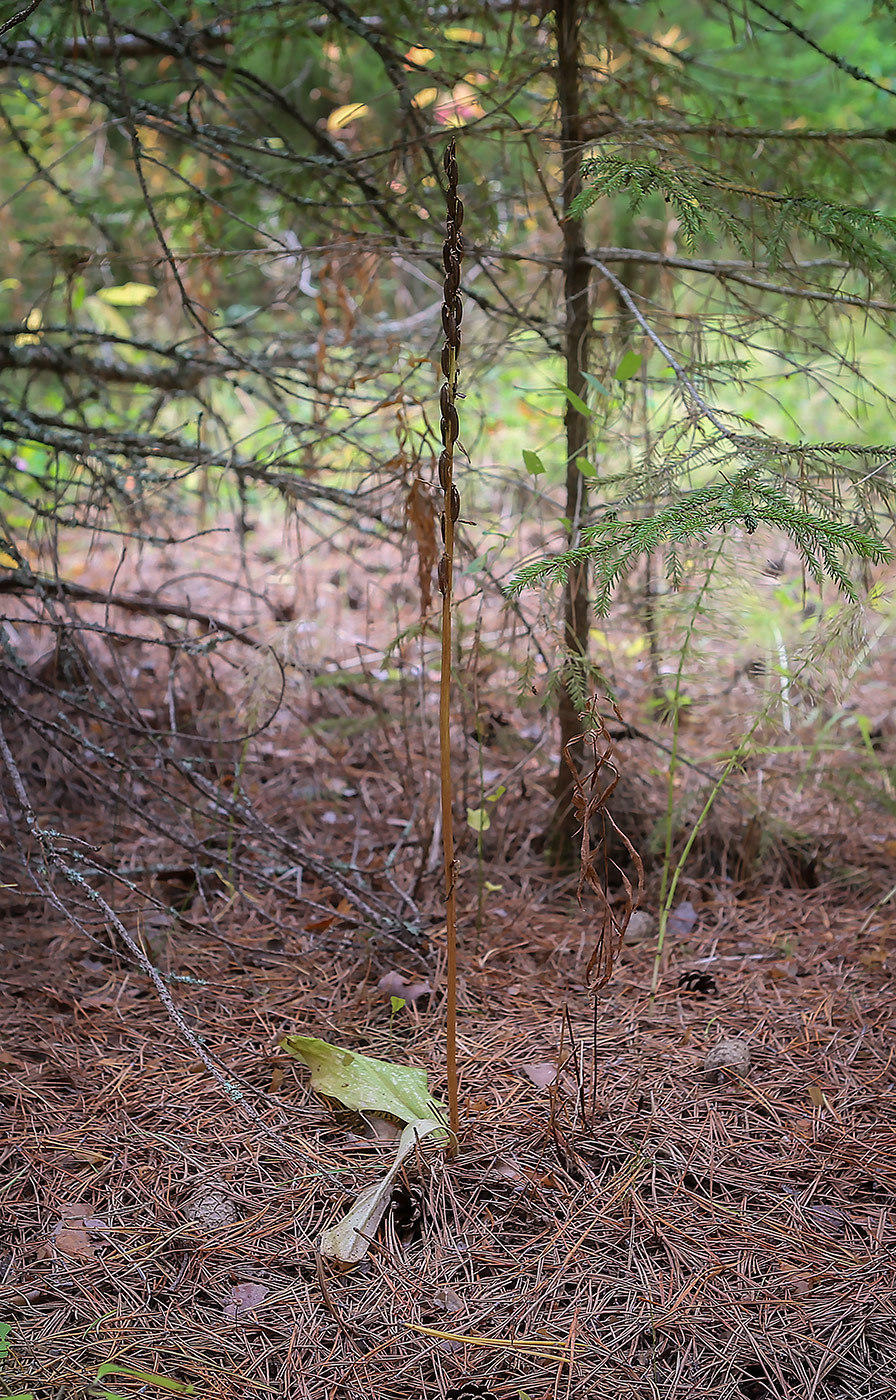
(128, 294)
(344, 116)
(425, 97)
(107, 317)
(463, 36)
(418, 55)
(33, 322)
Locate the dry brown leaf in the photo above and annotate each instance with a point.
(70, 1235)
(420, 513)
(445, 1300)
(243, 1298)
(380, 1129)
(392, 984)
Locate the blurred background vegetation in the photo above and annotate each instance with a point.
(219, 316)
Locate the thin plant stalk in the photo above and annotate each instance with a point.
(452, 313)
(669, 880)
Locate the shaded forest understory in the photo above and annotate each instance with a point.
(619, 1220)
(542, 347)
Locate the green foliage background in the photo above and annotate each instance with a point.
(223, 237)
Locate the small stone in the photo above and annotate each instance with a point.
(641, 926)
(730, 1054)
(682, 920)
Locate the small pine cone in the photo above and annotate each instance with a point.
(469, 1390)
(702, 984)
(409, 1206)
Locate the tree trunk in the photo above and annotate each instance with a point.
(576, 279)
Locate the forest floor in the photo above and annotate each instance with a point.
(618, 1221)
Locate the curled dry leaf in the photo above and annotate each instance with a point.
(420, 513)
(349, 1240)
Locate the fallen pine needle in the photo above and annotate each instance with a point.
(523, 1346)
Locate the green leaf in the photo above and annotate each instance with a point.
(863, 724)
(5, 1329)
(595, 383)
(363, 1083)
(498, 792)
(578, 404)
(478, 818)
(586, 468)
(128, 294)
(532, 462)
(397, 1003)
(628, 366)
(78, 293)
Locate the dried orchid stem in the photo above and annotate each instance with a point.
(452, 314)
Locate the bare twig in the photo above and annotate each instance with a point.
(20, 17)
(53, 859)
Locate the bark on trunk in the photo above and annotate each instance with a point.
(576, 280)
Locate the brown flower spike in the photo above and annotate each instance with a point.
(452, 315)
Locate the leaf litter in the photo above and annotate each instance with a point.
(644, 1231)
